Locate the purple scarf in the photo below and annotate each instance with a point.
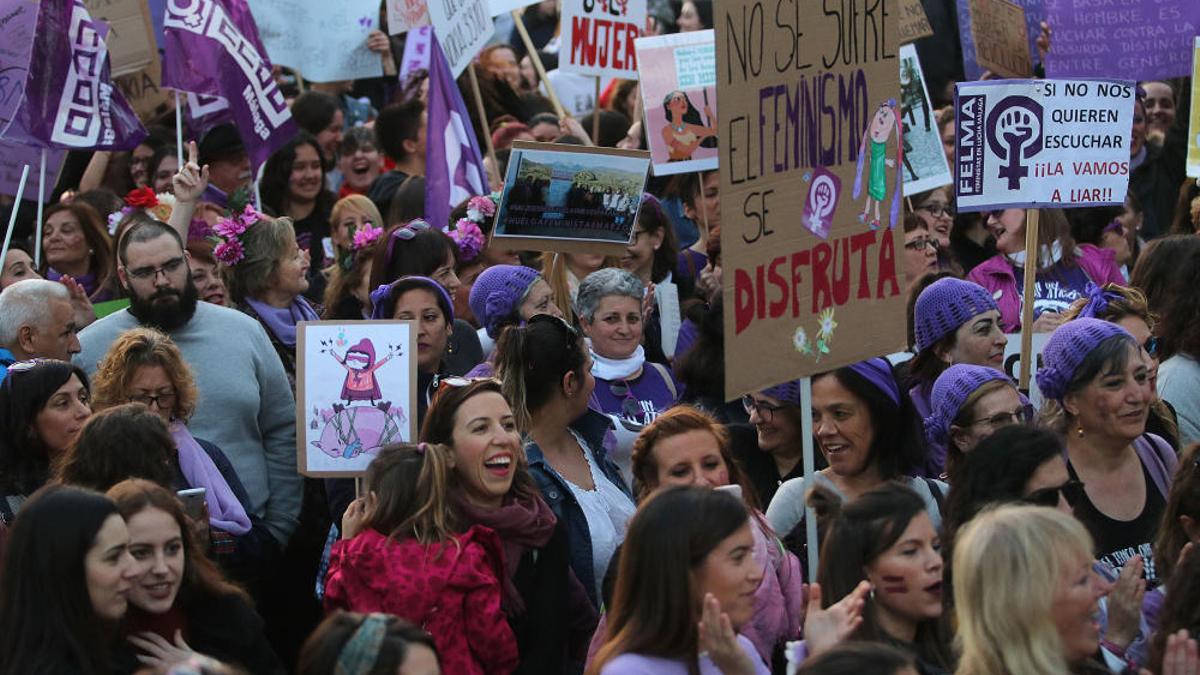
(282, 320)
(225, 512)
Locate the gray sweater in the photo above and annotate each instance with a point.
(245, 405)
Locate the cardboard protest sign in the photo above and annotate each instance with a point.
(1135, 41)
(1193, 152)
(811, 165)
(1026, 143)
(1034, 14)
(405, 15)
(463, 28)
(678, 77)
(130, 40)
(914, 24)
(356, 391)
(1001, 40)
(15, 156)
(925, 165)
(18, 22)
(144, 91)
(570, 198)
(598, 37)
(498, 7)
(1012, 362)
(290, 30)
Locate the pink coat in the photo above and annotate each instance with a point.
(996, 275)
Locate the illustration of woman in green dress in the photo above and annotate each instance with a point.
(685, 131)
(885, 121)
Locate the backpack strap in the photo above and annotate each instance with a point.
(666, 376)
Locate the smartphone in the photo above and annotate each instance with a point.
(733, 489)
(193, 502)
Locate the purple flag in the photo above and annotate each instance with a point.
(212, 47)
(453, 163)
(70, 100)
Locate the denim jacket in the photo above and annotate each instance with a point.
(592, 427)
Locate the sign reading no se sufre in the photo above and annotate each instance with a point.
(1033, 143)
(811, 157)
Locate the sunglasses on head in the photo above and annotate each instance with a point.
(1071, 491)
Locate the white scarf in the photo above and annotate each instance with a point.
(604, 368)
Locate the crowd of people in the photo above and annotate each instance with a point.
(581, 498)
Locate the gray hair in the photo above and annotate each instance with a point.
(603, 283)
(25, 303)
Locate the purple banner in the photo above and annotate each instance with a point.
(18, 21)
(212, 47)
(14, 157)
(453, 163)
(1035, 13)
(1136, 41)
(70, 99)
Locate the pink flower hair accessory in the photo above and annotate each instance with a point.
(469, 238)
(365, 236)
(229, 249)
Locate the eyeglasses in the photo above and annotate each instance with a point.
(922, 243)
(766, 411)
(937, 210)
(167, 269)
(631, 408)
(1150, 346)
(1019, 416)
(161, 401)
(443, 384)
(1071, 491)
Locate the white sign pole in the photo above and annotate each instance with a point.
(12, 219)
(806, 434)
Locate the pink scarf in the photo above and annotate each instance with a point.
(225, 512)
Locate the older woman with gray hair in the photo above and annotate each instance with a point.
(266, 273)
(629, 389)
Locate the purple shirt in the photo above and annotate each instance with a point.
(637, 664)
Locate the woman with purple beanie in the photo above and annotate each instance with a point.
(969, 404)
(503, 296)
(1094, 381)
(954, 321)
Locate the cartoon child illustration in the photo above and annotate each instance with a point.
(885, 121)
(360, 366)
(685, 131)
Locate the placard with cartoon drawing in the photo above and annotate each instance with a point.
(356, 391)
(679, 99)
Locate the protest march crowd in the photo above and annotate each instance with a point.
(576, 492)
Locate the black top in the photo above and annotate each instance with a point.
(1119, 540)
(759, 466)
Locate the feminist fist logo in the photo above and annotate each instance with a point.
(821, 202)
(1014, 133)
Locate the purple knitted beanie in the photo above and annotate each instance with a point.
(944, 306)
(1067, 347)
(497, 293)
(950, 391)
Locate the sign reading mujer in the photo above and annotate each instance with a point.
(1051, 143)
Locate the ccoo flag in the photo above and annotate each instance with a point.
(212, 47)
(454, 167)
(70, 101)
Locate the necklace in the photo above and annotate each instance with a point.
(678, 129)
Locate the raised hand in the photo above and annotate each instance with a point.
(825, 628)
(191, 181)
(719, 640)
(1125, 603)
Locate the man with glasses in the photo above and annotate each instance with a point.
(36, 321)
(245, 405)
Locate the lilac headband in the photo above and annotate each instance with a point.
(1098, 300)
(379, 296)
(878, 372)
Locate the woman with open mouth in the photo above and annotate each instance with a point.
(887, 539)
(546, 605)
(954, 322)
(179, 601)
(1094, 382)
(869, 434)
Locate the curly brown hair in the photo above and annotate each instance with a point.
(143, 347)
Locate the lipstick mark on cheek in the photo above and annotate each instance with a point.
(893, 584)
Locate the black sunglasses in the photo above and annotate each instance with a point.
(1071, 490)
